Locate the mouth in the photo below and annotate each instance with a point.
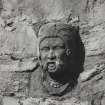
(51, 66)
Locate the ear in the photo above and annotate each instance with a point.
(68, 52)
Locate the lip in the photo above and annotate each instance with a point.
(51, 66)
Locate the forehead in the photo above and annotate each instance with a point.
(54, 41)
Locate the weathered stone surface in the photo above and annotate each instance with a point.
(39, 101)
(15, 77)
(18, 44)
(14, 84)
(17, 65)
(10, 101)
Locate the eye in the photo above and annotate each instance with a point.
(45, 49)
(59, 47)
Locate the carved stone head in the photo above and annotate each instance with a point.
(61, 56)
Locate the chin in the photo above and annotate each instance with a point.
(52, 71)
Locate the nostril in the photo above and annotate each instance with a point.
(51, 56)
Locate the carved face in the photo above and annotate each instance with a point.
(53, 54)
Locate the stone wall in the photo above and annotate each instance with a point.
(18, 41)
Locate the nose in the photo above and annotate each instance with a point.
(51, 55)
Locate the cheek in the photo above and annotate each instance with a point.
(61, 55)
(43, 60)
(43, 56)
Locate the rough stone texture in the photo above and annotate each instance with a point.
(35, 101)
(18, 45)
(14, 84)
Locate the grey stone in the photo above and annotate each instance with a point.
(18, 42)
